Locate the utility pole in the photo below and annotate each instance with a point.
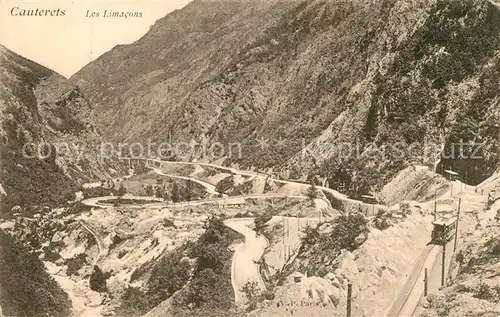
(435, 205)
(287, 228)
(456, 228)
(283, 232)
(444, 262)
(349, 295)
(426, 280)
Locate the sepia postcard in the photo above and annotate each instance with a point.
(275, 158)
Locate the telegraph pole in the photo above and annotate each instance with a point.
(444, 263)
(283, 231)
(349, 295)
(426, 280)
(435, 205)
(456, 228)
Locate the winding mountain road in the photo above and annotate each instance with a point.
(209, 187)
(100, 243)
(245, 267)
(336, 194)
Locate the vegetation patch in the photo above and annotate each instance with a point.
(348, 232)
(27, 288)
(196, 276)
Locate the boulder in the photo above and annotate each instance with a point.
(93, 299)
(338, 273)
(347, 264)
(361, 238)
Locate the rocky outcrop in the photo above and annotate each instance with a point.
(403, 78)
(49, 142)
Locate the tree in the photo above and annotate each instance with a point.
(121, 191)
(167, 277)
(260, 222)
(252, 293)
(75, 263)
(225, 184)
(27, 288)
(134, 303)
(97, 281)
(149, 190)
(160, 191)
(311, 236)
(166, 195)
(69, 196)
(189, 191)
(312, 192)
(202, 288)
(347, 228)
(176, 195)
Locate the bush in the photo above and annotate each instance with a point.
(27, 288)
(252, 294)
(260, 222)
(483, 291)
(311, 236)
(381, 223)
(133, 303)
(75, 263)
(347, 228)
(97, 281)
(225, 184)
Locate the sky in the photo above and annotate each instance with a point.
(67, 43)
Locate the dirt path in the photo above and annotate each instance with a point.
(244, 267)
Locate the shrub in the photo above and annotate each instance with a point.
(75, 263)
(483, 291)
(27, 288)
(311, 236)
(97, 281)
(347, 228)
(133, 303)
(381, 223)
(260, 222)
(225, 184)
(252, 294)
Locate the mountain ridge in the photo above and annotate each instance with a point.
(49, 141)
(313, 67)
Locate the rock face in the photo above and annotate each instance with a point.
(22, 277)
(275, 76)
(48, 139)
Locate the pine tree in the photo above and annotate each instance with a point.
(122, 191)
(176, 196)
(312, 192)
(97, 281)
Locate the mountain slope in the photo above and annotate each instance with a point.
(26, 289)
(49, 141)
(409, 78)
(139, 89)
